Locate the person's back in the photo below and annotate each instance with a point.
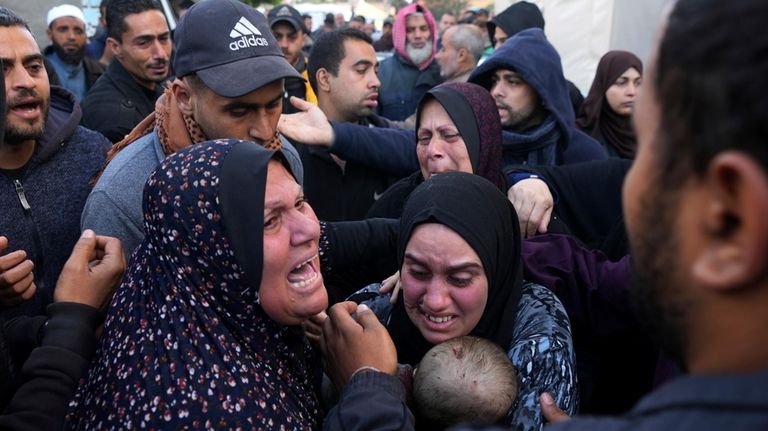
(465, 379)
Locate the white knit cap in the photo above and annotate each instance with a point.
(57, 12)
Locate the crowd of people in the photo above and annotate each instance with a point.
(245, 224)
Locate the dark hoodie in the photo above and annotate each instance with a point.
(42, 202)
(530, 54)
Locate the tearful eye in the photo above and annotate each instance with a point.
(270, 222)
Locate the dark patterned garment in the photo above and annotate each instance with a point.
(541, 352)
(186, 343)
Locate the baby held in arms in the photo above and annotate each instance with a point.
(464, 379)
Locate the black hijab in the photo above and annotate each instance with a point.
(596, 116)
(481, 214)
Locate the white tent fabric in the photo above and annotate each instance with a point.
(584, 30)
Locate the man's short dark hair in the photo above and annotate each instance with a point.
(9, 18)
(709, 85)
(328, 52)
(117, 10)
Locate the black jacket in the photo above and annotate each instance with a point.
(41, 206)
(117, 103)
(53, 369)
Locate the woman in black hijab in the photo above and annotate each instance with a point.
(607, 110)
(459, 257)
(457, 128)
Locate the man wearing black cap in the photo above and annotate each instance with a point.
(287, 26)
(230, 85)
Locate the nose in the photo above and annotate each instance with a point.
(435, 148)
(262, 130)
(304, 226)
(632, 89)
(496, 91)
(436, 298)
(158, 50)
(375, 82)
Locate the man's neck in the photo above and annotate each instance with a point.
(16, 156)
(332, 114)
(534, 121)
(461, 75)
(724, 338)
(150, 85)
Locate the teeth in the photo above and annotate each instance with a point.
(304, 263)
(439, 319)
(304, 283)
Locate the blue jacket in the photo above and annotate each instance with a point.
(530, 54)
(402, 85)
(41, 208)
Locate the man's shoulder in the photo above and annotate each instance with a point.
(89, 139)
(131, 166)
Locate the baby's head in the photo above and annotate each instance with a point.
(465, 379)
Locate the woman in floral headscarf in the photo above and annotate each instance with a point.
(205, 330)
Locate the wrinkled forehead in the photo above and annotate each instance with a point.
(416, 19)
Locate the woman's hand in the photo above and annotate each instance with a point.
(551, 412)
(313, 328)
(534, 203)
(393, 284)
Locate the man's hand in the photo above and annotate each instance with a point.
(92, 271)
(17, 282)
(350, 343)
(533, 202)
(551, 412)
(310, 126)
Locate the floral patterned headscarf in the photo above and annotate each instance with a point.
(186, 343)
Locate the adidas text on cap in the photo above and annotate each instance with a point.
(230, 47)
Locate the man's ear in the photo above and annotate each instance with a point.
(183, 96)
(323, 79)
(735, 247)
(462, 55)
(114, 46)
(49, 33)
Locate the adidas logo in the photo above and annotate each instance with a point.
(245, 34)
(284, 11)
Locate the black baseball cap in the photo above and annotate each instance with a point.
(230, 47)
(288, 14)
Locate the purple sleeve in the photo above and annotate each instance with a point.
(593, 289)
